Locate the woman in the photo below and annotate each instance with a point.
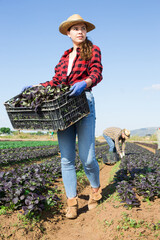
(81, 68)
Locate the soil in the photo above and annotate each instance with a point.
(109, 221)
(148, 148)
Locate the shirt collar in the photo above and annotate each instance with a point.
(67, 52)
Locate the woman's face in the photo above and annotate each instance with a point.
(77, 33)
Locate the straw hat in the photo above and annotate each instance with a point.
(72, 20)
(126, 132)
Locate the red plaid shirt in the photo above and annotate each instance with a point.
(81, 69)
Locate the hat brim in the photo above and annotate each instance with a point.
(64, 26)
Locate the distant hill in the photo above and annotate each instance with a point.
(143, 131)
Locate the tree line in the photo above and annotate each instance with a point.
(5, 130)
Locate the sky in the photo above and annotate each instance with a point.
(128, 34)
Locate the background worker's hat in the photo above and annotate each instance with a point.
(72, 20)
(126, 133)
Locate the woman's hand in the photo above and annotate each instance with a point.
(78, 88)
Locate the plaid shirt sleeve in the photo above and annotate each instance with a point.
(95, 66)
(123, 145)
(117, 144)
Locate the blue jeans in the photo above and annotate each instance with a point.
(111, 143)
(85, 131)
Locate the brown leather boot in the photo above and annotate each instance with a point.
(71, 211)
(94, 197)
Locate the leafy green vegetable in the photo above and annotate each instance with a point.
(34, 97)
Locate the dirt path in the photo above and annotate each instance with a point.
(109, 221)
(102, 223)
(82, 227)
(148, 148)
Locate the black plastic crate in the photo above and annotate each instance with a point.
(57, 114)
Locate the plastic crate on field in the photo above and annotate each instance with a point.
(57, 114)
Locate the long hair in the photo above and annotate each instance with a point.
(86, 49)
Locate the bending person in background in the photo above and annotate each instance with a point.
(114, 137)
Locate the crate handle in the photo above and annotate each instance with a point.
(9, 104)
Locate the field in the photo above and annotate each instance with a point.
(32, 198)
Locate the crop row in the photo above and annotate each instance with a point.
(154, 146)
(20, 144)
(32, 187)
(139, 173)
(16, 155)
(28, 187)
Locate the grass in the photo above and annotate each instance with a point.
(81, 177)
(110, 194)
(115, 168)
(19, 135)
(128, 222)
(19, 144)
(151, 138)
(6, 210)
(3, 210)
(108, 223)
(41, 136)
